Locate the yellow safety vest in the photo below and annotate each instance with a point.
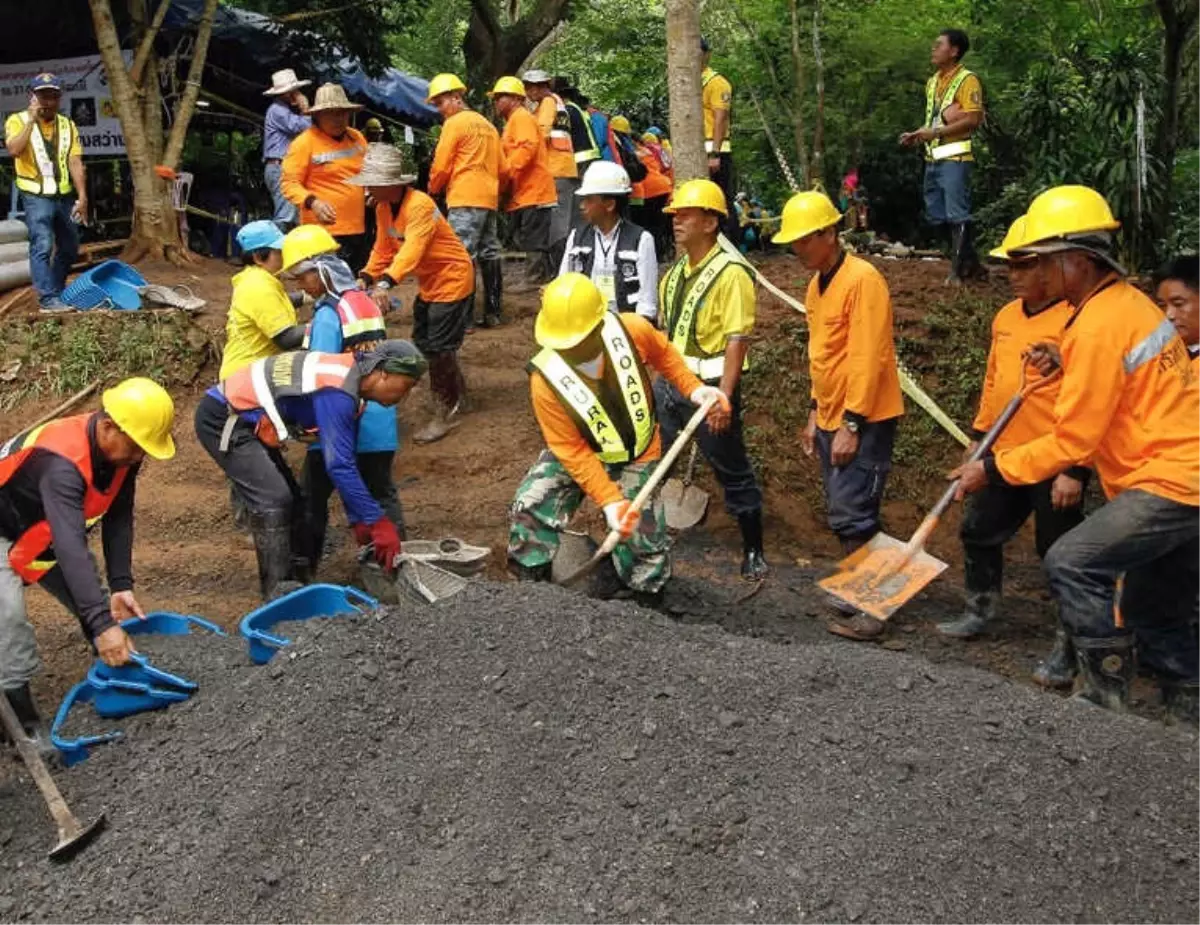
(683, 300)
(617, 437)
(934, 107)
(54, 177)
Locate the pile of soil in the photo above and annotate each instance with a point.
(521, 753)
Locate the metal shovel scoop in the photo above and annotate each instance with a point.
(71, 835)
(412, 578)
(685, 504)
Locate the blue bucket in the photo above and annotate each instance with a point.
(301, 604)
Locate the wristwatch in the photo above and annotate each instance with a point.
(383, 286)
(850, 425)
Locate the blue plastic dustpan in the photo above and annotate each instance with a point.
(111, 283)
(301, 604)
(73, 751)
(116, 699)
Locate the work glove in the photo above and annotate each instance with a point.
(362, 533)
(620, 516)
(387, 542)
(705, 392)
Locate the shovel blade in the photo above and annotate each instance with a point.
(685, 505)
(72, 838)
(870, 579)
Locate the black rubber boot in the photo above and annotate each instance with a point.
(1057, 669)
(1180, 699)
(493, 288)
(957, 233)
(36, 729)
(529, 572)
(1106, 670)
(980, 611)
(754, 563)
(273, 547)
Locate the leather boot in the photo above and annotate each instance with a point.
(1180, 699)
(273, 547)
(492, 289)
(754, 563)
(1106, 670)
(980, 610)
(36, 729)
(1058, 668)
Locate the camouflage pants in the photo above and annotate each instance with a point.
(548, 497)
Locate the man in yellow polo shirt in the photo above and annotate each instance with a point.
(53, 185)
(716, 100)
(953, 112)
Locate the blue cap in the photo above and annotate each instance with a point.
(257, 235)
(45, 81)
(655, 130)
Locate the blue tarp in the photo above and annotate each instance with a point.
(266, 47)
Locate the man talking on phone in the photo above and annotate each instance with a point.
(48, 157)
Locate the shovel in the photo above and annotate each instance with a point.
(643, 496)
(685, 504)
(71, 835)
(885, 574)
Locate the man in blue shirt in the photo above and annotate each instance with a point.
(285, 120)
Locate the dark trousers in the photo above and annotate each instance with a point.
(992, 517)
(650, 216)
(376, 471)
(725, 452)
(1154, 542)
(726, 178)
(854, 492)
(355, 249)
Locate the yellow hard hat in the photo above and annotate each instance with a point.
(572, 306)
(304, 242)
(698, 194)
(443, 83)
(1013, 239)
(1065, 210)
(510, 85)
(621, 124)
(803, 214)
(144, 412)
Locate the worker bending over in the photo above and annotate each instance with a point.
(856, 400)
(617, 255)
(299, 394)
(414, 239)
(706, 305)
(1177, 292)
(56, 481)
(993, 515)
(1128, 404)
(591, 394)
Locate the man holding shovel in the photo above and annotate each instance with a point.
(856, 400)
(592, 397)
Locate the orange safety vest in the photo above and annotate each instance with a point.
(361, 320)
(259, 386)
(68, 438)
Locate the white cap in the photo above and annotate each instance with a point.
(604, 178)
(535, 77)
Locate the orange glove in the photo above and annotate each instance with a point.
(621, 517)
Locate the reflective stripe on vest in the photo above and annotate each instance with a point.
(560, 129)
(328, 157)
(934, 107)
(682, 302)
(260, 385)
(44, 184)
(608, 437)
(726, 147)
(68, 438)
(1151, 346)
(361, 320)
(592, 152)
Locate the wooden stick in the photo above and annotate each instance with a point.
(13, 300)
(65, 406)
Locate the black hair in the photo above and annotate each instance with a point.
(1185, 268)
(262, 253)
(958, 41)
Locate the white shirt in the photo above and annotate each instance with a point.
(604, 268)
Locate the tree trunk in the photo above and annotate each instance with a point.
(145, 53)
(191, 90)
(683, 86)
(818, 152)
(798, 133)
(493, 50)
(1179, 21)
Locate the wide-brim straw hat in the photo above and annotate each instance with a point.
(331, 97)
(285, 81)
(383, 165)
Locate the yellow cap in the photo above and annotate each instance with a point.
(305, 242)
(443, 83)
(509, 85)
(1067, 210)
(621, 124)
(698, 194)
(803, 214)
(572, 306)
(144, 412)
(1013, 239)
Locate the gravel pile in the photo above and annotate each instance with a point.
(525, 754)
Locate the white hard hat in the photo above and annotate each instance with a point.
(604, 178)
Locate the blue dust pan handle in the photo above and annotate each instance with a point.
(359, 600)
(74, 751)
(163, 621)
(140, 671)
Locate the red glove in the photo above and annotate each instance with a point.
(362, 533)
(387, 542)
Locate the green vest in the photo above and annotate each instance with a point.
(937, 150)
(683, 300)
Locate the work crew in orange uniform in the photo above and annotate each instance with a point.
(856, 400)
(466, 168)
(555, 123)
(1128, 405)
(525, 176)
(993, 515)
(317, 162)
(414, 238)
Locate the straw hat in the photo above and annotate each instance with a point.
(285, 82)
(382, 166)
(331, 97)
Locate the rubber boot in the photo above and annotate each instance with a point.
(1057, 669)
(980, 610)
(529, 572)
(1180, 699)
(955, 278)
(754, 563)
(493, 288)
(1106, 670)
(36, 729)
(443, 382)
(273, 546)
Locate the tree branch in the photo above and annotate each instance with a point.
(147, 44)
(191, 89)
(483, 9)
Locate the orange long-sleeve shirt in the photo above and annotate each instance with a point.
(1127, 403)
(1013, 333)
(417, 239)
(466, 163)
(851, 352)
(571, 448)
(523, 168)
(318, 165)
(560, 154)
